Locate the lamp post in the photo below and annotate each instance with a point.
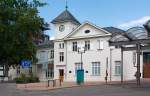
(80, 72)
(80, 51)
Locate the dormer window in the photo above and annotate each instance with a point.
(87, 31)
(61, 28)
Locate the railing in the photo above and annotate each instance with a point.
(54, 81)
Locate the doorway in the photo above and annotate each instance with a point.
(61, 75)
(146, 65)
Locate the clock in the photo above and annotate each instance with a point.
(61, 28)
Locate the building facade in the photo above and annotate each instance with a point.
(44, 66)
(99, 58)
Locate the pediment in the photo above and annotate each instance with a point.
(87, 30)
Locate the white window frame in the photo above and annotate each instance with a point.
(77, 67)
(61, 45)
(49, 73)
(61, 56)
(51, 54)
(100, 44)
(87, 45)
(42, 56)
(117, 68)
(74, 46)
(96, 69)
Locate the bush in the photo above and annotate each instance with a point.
(23, 79)
(19, 80)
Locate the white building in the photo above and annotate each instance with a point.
(45, 56)
(98, 57)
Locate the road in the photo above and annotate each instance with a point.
(100, 90)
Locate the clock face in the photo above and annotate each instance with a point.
(61, 28)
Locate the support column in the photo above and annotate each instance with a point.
(138, 74)
(121, 65)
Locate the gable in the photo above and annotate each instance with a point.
(87, 30)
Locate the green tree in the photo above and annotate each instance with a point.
(20, 25)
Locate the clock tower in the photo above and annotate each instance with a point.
(64, 24)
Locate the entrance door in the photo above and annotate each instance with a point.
(146, 65)
(61, 74)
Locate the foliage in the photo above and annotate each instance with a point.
(23, 79)
(20, 25)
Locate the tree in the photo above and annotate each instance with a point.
(20, 25)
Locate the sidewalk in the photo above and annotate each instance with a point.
(44, 85)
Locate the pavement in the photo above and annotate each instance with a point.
(127, 89)
(44, 85)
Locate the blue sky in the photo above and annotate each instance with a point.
(118, 13)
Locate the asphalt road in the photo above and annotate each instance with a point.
(100, 90)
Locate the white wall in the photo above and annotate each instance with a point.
(89, 56)
(68, 28)
(40, 71)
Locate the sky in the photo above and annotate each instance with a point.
(122, 14)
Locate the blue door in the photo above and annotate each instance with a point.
(80, 76)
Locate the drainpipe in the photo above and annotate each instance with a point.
(121, 65)
(110, 64)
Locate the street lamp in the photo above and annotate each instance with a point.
(80, 72)
(81, 50)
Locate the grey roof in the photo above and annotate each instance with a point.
(135, 33)
(119, 37)
(65, 16)
(114, 31)
(117, 34)
(46, 44)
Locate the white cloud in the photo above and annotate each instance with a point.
(133, 23)
(52, 38)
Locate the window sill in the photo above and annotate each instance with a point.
(100, 49)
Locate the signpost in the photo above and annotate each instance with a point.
(25, 63)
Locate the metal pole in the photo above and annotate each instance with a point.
(110, 63)
(138, 65)
(81, 61)
(121, 65)
(106, 70)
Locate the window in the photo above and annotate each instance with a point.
(77, 67)
(61, 56)
(95, 68)
(87, 45)
(49, 73)
(74, 46)
(117, 47)
(42, 56)
(48, 54)
(61, 45)
(117, 68)
(100, 44)
(52, 54)
(87, 31)
(61, 28)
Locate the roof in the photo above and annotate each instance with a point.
(65, 16)
(117, 34)
(114, 31)
(46, 44)
(135, 33)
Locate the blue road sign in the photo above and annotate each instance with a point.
(25, 63)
